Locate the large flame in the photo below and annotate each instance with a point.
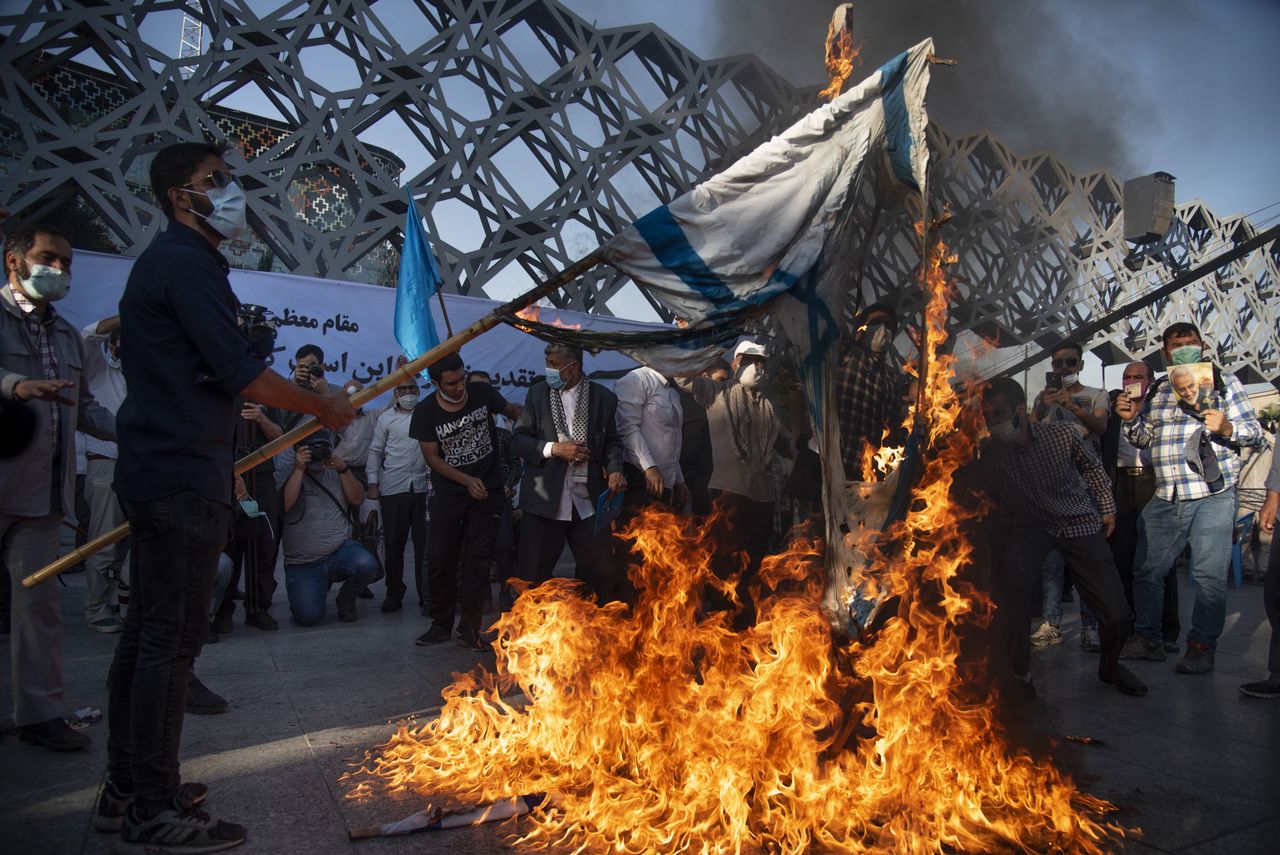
(664, 730)
(534, 313)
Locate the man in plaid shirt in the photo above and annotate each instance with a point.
(1052, 493)
(1195, 454)
(869, 388)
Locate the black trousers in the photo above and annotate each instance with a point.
(405, 515)
(744, 525)
(457, 520)
(1016, 591)
(1132, 494)
(253, 548)
(542, 540)
(176, 541)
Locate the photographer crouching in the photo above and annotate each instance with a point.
(318, 490)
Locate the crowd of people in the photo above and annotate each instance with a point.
(1096, 491)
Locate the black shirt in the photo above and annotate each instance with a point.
(184, 362)
(468, 439)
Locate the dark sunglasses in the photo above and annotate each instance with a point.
(217, 178)
(1068, 362)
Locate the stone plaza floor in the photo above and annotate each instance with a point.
(1194, 764)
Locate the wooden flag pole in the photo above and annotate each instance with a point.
(368, 393)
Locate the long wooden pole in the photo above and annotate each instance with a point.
(368, 393)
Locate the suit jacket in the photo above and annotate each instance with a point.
(543, 480)
(27, 481)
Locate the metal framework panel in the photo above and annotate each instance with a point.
(542, 136)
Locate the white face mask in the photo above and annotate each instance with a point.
(45, 284)
(1005, 431)
(751, 375)
(408, 402)
(878, 338)
(458, 400)
(229, 210)
(1069, 380)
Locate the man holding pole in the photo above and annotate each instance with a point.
(185, 361)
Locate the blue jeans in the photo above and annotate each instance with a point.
(308, 584)
(176, 543)
(1053, 579)
(1164, 529)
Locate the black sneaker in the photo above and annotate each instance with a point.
(262, 620)
(391, 604)
(113, 804)
(222, 622)
(1138, 647)
(471, 640)
(201, 700)
(435, 635)
(1268, 689)
(347, 608)
(1197, 660)
(177, 831)
(365, 593)
(54, 734)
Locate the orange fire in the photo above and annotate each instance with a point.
(841, 55)
(662, 729)
(534, 313)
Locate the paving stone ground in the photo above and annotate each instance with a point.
(1194, 764)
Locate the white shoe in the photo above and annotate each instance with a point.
(1047, 634)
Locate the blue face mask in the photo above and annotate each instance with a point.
(251, 509)
(554, 380)
(1186, 355)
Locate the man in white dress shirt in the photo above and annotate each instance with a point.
(106, 382)
(398, 478)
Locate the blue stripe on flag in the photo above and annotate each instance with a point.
(671, 247)
(898, 139)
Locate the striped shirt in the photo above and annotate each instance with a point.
(1165, 428)
(1054, 481)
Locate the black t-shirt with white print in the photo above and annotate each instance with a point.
(468, 439)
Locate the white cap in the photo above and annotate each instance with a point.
(748, 347)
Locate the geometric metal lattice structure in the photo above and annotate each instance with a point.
(541, 134)
(1041, 251)
(536, 136)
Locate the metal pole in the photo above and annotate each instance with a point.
(1180, 281)
(368, 393)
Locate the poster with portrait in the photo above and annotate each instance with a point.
(1193, 384)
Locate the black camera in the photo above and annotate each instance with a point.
(320, 447)
(314, 369)
(257, 322)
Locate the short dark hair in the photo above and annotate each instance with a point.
(448, 362)
(1180, 329)
(172, 166)
(21, 239)
(1008, 387)
(476, 372)
(309, 350)
(569, 351)
(884, 308)
(1067, 344)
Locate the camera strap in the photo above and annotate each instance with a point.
(341, 507)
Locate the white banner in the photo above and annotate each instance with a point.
(352, 323)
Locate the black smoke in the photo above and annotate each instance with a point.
(1028, 70)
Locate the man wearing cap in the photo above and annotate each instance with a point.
(745, 432)
(869, 387)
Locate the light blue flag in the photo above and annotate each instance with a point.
(418, 281)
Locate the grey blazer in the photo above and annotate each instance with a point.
(543, 478)
(26, 481)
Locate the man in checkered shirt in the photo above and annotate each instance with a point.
(1197, 463)
(1052, 493)
(869, 387)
